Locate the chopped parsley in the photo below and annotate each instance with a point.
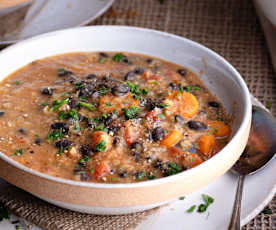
(151, 177)
(219, 119)
(4, 212)
(101, 146)
(207, 201)
(188, 88)
(136, 91)
(74, 114)
(78, 85)
(214, 130)
(164, 106)
(107, 104)
(117, 57)
(55, 134)
(268, 104)
(91, 170)
(17, 82)
(173, 168)
(131, 112)
(191, 209)
(56, 104)
(61, 150)
(103, 90)
(18, 152)
(182, 198)
(267, 211)
(160, 95)
(84, 159)
(140, 176)
(44, 104)
(90, 107)
(63, 115)
(101, 60)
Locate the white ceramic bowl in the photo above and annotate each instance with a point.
(8, 6)
(223, 80)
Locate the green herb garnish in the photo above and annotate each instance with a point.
(18, 152)
(44, 104)
(208, 200)
(55, 134)
(140, 175)
(151, 177)
(101, 60)
(84, 159)
(164, 105)
(182, 198)
(191, 209)
(267, 211)
(268, 104)
(108, 104)
(101, 146)
(18, 82)
(91, 170)
(4, 212)
(131, 112)
(103, 90)
(174, 168)
(87, 106)
(117, 57)
(160, 95)
(56, 104)
(78, 85)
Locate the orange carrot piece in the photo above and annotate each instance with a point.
(175, 152)
(184, 104)
(172, 138)
(219, 128)
(191, 160)
(101, 169)
(99, 136)
(131, 133)
(206, 144)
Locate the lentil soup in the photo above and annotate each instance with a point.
(109, 117)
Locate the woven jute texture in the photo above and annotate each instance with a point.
(230, 28)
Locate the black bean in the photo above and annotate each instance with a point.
(130, 76)
(120, 90)
(71, 79)
(81, 117)
(126, 60)
(64, 72)
(108, 120)
(60, 125)
(196, 125)
(63, 143)
(123, 173)
(2, 113)
(22, 131)
(73, 103)
(86, 150)
(116, 141)
(87, 90)
(31, 152)
(139, 70)
(137, 146)
(104, 55)
(114, 129)
(47, 90)
(149, 60)
(82, 175)
(192, 150)
(158, 164)
(173, 86)
(213, 104)
(182, 72)
(157, 134)
(37, 141)
(179, 119)
(90, 76)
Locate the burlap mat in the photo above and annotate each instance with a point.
(232, 29)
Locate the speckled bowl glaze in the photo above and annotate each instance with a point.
(98, 198)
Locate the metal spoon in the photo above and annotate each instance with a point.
(260, 149)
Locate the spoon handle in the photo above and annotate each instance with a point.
(235, 219)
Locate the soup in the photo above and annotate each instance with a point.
(109, 117)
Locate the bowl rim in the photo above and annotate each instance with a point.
(234, 140)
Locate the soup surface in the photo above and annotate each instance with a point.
(109, 117)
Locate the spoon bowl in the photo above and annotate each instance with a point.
(259, 151)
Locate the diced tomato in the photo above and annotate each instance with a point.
(101, 169)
